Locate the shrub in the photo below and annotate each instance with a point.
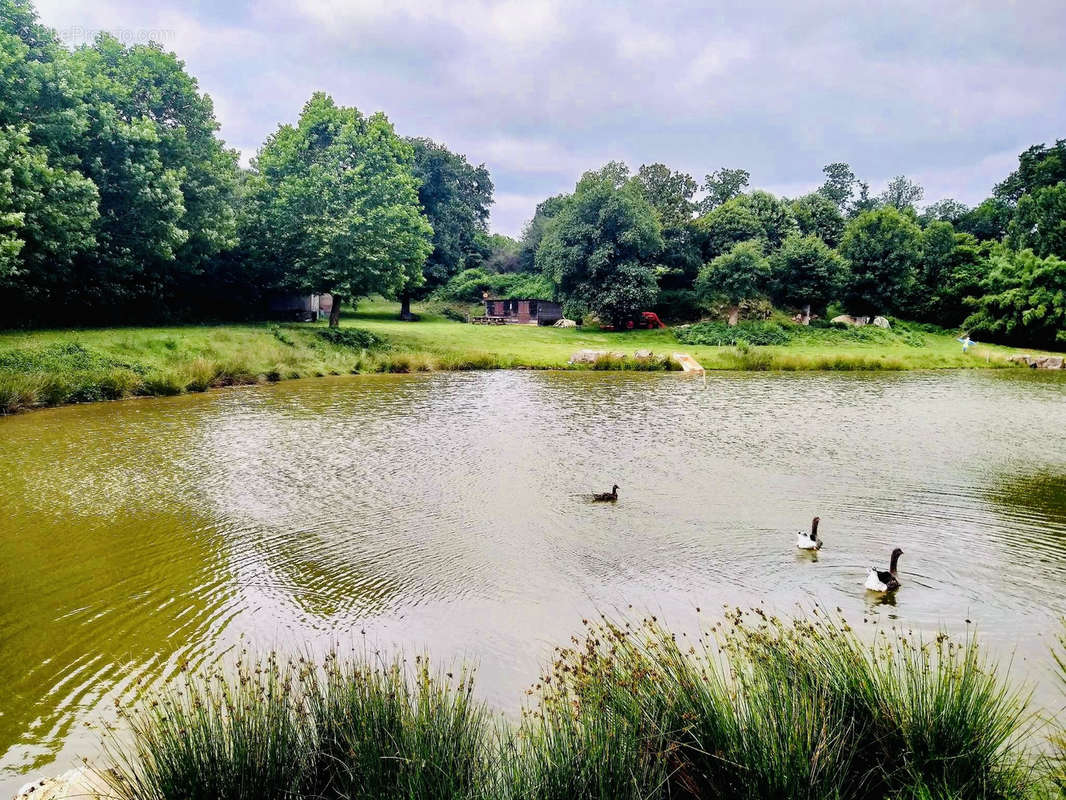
(721, 334)
(162, 383)
(353, 338)
(17, 393)
(455, 314)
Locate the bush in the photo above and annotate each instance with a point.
(677, 305)
(720, 334)
(163, 384)
(469, 285)
(455, 314)
(352, 338)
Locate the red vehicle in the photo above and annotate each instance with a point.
(648, 320)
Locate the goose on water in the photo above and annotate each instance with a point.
(809, 541)
(880, 581)
(606, 497)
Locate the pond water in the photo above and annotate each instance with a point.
(443, 513)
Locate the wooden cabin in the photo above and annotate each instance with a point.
(521, 312)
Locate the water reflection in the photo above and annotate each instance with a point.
(449, 512)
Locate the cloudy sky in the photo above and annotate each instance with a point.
(945, 91)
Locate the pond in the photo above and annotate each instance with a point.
(446, 514)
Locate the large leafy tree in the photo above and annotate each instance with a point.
(600, 248)
(1024, 300)
(723, 185)
(807, 273)
(741, 274)
(455, 196)
(937, 259)
(839, 184)
(988, 221)
(902, 193)
(817, 215)
(48, 209)
(668, 192)
(1039, 166)
(1039, 222)
(335, 207)
(757, 215)
(534, 230)
(146, 83)
(883, 249)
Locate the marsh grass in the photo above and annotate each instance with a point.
(754, 708)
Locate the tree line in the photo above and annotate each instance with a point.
(623, 241)
(118, 202)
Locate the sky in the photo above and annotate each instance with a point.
(947, 92)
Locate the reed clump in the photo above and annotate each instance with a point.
(754, 708)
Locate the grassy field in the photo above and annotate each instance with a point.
(53, 367)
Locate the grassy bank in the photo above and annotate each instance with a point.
(53, 367)
(756, 708)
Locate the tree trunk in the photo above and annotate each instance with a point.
(335, 312)
(734, 315)
(405, 308)
(807, 314)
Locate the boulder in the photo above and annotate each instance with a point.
(1049, 362)
(587, 356)
(565, 323)
(847, 319)
(881, 322)
(643, 355)
(1020, 358)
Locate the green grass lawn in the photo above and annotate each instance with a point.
(52, 367)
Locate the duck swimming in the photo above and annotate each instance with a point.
(606, 497)
(880, 581)
(809, 541)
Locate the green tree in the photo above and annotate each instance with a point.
(1039, 166)
(902, 193)
(758, 215)
(145, 82)
(336, 205)
(839, 184)
(883, 250)
(817, 215)
(862, 202)
(961, 281)
(534, 230)
(741, 274)
(728, 224)
(988, 221)
(455, 196)
(723, 185)
(806, 273)
(669, 193)
(1024, 300)
(599, 249)
(503, 253)
(1039, 222)
(937, 260)
(946, 210)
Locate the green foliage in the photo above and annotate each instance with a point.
(817, 215)
(723, 185)
(806, 272)
(1039, 166)
(470, 284)
(669, 193)
(988, 221)
(677, 305)
(901, 194)
(883, 250)
(534, 231)
(455, 197)
(333, 205)
(719, 334)
(1024, 300)
(740, 274)
(353, 338)
(598, 249)
(1039, 221)
(839, 184)
(758, 215)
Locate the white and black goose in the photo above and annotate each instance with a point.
(881, 581)
(809, 541)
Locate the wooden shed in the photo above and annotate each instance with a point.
(299, 307)
(522, 312)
